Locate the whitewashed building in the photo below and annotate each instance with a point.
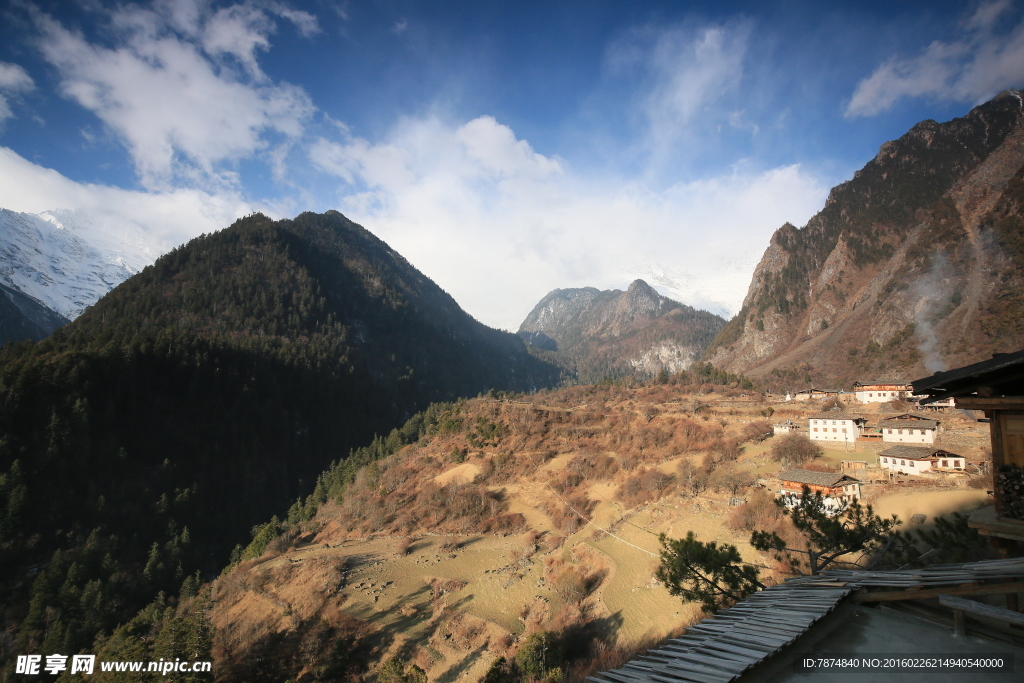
(881, 392)
(787, 427)
(920, 459)
(837, 490)
(909, 428)
(815, 394)
(835, 426)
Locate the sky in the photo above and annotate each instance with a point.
(504, 148)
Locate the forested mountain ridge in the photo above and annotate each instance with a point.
(597, 334)
(139, 443)
(913, 264)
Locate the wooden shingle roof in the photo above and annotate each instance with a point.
(813, 478)
(726, 646)
(917, 452)
(836, 416)
(908, 423)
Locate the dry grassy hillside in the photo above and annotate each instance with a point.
(515, 517)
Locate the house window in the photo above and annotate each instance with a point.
(833, 429)
(903, 462)
(815, 429)
(945, 463)
(844, 430)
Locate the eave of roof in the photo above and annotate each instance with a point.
(1003, 369)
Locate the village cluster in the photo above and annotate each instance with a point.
(902, 459)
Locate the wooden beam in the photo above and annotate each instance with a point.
(922, 593)
(981, 609)
(998, 402)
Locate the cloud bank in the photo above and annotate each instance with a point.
(169, 218)
(499, 225)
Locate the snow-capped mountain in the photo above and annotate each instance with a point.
(68, 259)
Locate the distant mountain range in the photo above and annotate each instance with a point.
(62, 261)
(915, 264)
(596, 334)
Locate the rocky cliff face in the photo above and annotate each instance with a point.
(913, 264)
(596, 334)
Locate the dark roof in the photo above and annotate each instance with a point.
(727, 646)
(917, 452)
(814, 478)
(1002, 375)
(817, 391)
(886, 382)
(910, 420)
(721, 648)
(835, 416)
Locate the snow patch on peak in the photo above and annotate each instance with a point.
(68, 259)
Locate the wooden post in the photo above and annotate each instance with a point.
(959, 625)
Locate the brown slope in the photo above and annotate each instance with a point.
(912, 264)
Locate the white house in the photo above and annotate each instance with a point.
(881, 392)
(837, 490)
(908, 428)
(815, 394)
(787, 427)
(920, 459)
(835, 426)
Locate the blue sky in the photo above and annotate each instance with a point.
(504, 148)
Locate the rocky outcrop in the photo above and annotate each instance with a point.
(595, 334)
(913, 264)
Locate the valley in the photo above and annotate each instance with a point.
(586, 478)
(283, 447)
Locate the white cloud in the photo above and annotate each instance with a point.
(498, 225)
(971, 69)
(180, 109)
(13, 80)
(168, 218)
(685, 75)
(240, 31)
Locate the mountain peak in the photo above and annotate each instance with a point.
(596, 334)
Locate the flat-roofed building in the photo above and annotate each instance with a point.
(835, 426)
(881, 391)
(815, 394)
(920, 459)
(787, 427)
(909, 428)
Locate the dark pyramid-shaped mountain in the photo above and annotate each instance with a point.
(205, 394)
(596, 334)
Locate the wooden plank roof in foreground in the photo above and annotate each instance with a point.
(723, 647)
